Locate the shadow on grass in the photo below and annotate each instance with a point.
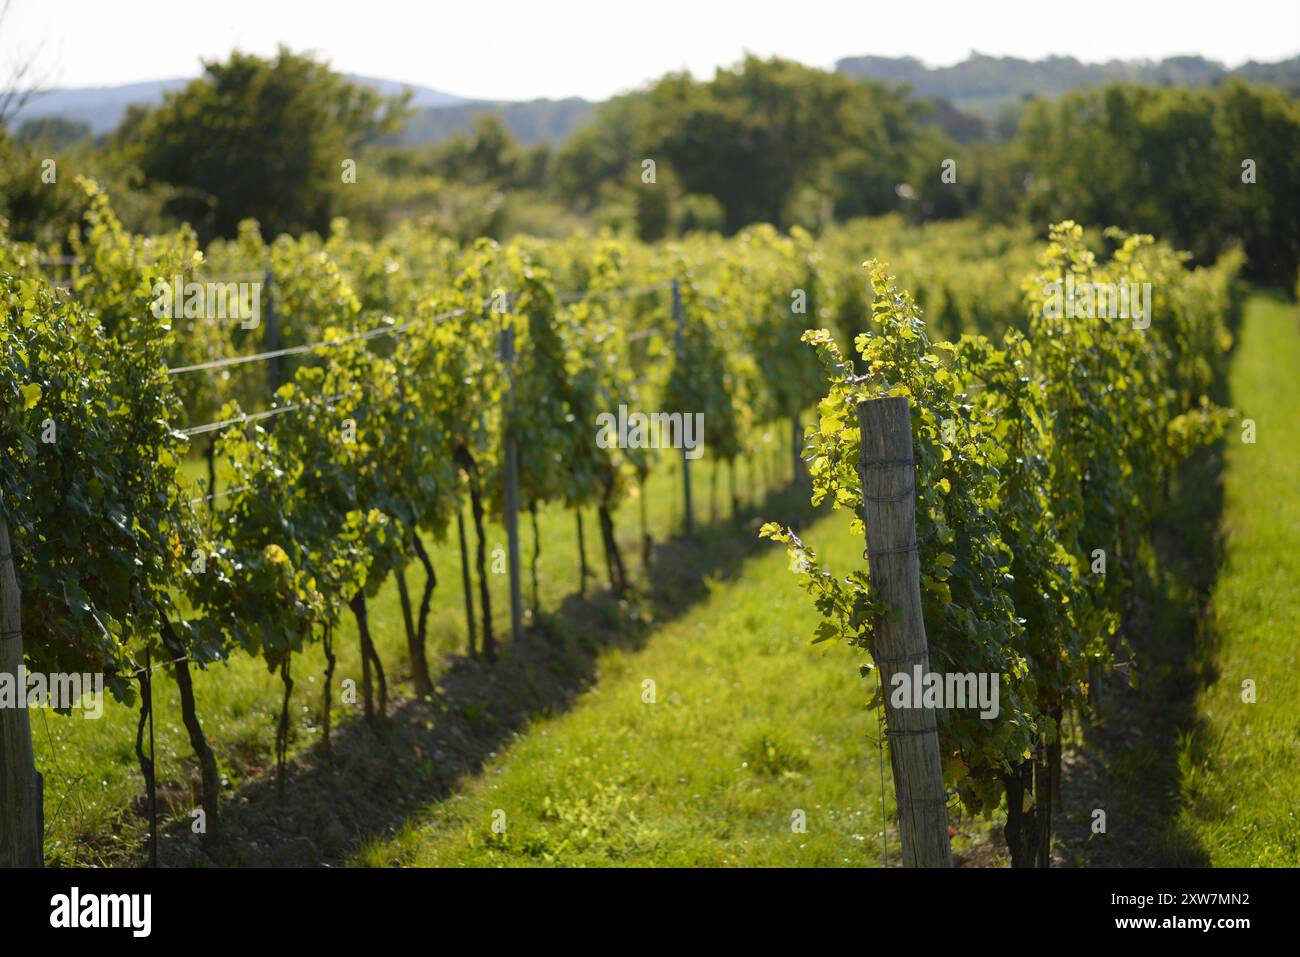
(377, 777)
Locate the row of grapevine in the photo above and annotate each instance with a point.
(1036, 453)
(381, 424)
(383, 412)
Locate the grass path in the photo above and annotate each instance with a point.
(748, 727)
(1241, 771)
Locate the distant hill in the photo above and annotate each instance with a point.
(99, 107)
(102, 107)
(531, 121)
(437, 115)
(986, 85)
(970, 97)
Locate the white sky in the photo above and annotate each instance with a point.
(521, 50)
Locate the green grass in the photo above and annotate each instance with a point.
(93, 786)
(1241, 769)
(749, 725)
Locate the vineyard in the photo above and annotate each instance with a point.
(192, 502)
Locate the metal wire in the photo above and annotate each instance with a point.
(253, 417)
(222, 494)
(374, 333)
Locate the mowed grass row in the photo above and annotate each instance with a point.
(709, 746)
(1241, 768)
(93, 786)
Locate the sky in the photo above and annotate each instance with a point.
(555, 48)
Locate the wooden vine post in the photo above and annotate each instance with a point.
(271, 335)
(796, 449)
(889, 510)
(22, 823)
(511, 481)
(679, 342)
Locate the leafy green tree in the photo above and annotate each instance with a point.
(753, 137)
(53, 132)
(265, 138)
(1263, 125)
(488, 154)
(1173, 162)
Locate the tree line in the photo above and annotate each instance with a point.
(765, 140)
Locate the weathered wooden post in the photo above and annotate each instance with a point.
(679, 342)
(465, 584)
(271, 335)
(512, 482)
(796, 449)
(21, 812)
(889, 510)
